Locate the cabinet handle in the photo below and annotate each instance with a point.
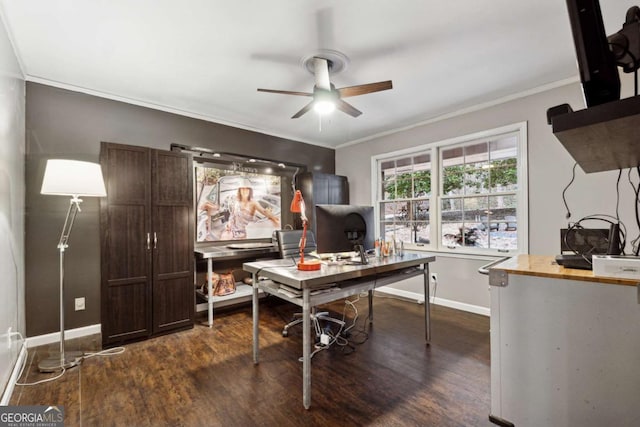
(155, 240)
(148, 241)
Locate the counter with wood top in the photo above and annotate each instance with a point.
(565, 345)
(546, 266)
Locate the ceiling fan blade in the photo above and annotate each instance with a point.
(303, 110)
(285, 92)
(363, 89)
(321, 71)
(347, 108)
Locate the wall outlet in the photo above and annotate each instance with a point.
(434, 277)
(79, 304)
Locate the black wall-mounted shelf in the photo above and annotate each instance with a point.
(604, 137)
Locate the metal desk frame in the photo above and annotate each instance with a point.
(351, 279)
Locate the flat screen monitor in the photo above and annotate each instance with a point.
(596, 63)
(340, 228)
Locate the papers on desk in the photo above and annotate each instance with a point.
(297, 293)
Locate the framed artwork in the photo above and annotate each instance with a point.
(235, 203)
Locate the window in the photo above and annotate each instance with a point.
(462, 195)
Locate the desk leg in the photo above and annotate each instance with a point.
(256, 319)
(210, 290)
(306, 349)
(427, 305)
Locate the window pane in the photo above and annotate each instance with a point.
(400, 231)
(404, 186)
(452, 156)
(502, 206)
(387, 165)
(393, 211)
(451, 211)
(453, 180)
(388, 230)
(504, 147)
(422, 161)
(504, 239)
(504, 175)
(420, 210)
(476, 153)
(504, 233)
(422, 175)
(421, 232)
(422, 183)
(476, 180)
(475, 211)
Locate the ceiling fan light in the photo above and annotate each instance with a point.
(324, 106)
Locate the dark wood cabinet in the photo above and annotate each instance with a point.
(147, 230)
(322, 189)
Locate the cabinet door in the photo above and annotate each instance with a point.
(321, 189)
(173, 236)
(337, 190)
(125, 255)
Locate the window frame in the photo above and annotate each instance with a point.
(434, 149)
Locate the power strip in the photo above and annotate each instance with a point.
(325, 339)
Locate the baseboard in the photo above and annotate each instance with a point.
(419, 298)
(68, 334)
(17, 368)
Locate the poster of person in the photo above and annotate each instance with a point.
(233, 205)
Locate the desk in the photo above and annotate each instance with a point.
(351, 279)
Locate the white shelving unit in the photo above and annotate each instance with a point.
(243, 293)
(241, 252)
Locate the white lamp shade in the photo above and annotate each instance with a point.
(73, 178)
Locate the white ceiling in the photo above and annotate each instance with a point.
(206, 58)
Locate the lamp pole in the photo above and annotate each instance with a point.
(64, 360)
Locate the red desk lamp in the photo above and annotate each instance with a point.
(297, 206)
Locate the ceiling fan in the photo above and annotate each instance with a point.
(325, 95)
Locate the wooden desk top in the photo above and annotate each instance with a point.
(546, 266)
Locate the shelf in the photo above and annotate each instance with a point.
(243, 293)
(226, 253)
(604, 137)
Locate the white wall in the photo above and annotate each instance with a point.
(12, 193)
(550, 168)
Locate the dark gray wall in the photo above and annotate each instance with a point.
(66, 124)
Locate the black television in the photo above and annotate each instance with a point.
(596, 62)
(344, 228)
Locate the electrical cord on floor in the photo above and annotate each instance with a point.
(362, 332)
(108, 352)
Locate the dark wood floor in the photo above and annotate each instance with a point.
(206, 377)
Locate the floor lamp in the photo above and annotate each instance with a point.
(69, 178)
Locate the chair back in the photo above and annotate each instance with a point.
(289, 241)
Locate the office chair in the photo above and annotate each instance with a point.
(288, 245)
